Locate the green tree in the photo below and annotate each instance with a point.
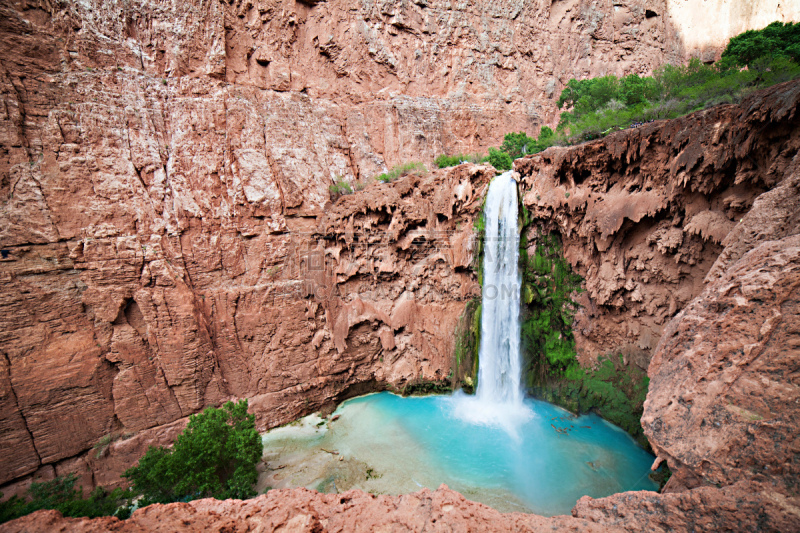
(587, 96)
(635, 90)
(518, 144)
(776, 40)
(215, 456)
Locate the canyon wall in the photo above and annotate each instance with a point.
(167, 232)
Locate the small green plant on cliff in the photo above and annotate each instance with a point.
(61, 494)
(215, 456)
(412, 167)
(340, 188)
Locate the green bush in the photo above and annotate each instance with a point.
(397, 171)
(499, 159)
(517, 145)
(215, 456)
(599, 106)
(61, 494)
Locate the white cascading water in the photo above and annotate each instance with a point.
(500, 367)
(498, 400)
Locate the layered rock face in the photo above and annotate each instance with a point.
(145, 333)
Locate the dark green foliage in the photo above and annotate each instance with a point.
(616, 391)
(61, 494)
(776, 40)
(548, 284)
(215, 456)
(634, 90)
(467, 344)
(499, 159)
(517, 145)
(587, 96)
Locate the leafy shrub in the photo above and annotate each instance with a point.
(61, 494)
(215, 456)
(340, 188)
(499, 159)
(397, 171)
(517, 145)
(598, 106)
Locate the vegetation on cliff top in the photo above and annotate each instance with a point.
(596, 107)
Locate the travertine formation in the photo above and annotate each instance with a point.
(645, 213)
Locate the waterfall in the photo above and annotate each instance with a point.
(498, 400)
(500, 367)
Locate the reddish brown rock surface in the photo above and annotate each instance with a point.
(162, 168)
(741, 508)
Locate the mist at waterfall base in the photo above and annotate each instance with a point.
(496, 447)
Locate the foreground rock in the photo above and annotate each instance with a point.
(724, 399)
(741, 508)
